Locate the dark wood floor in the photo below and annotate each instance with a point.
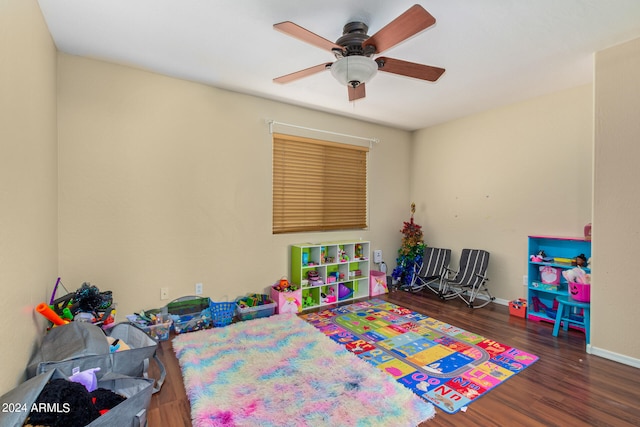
(566, 387)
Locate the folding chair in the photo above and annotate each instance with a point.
(470, 281)
(431, 272)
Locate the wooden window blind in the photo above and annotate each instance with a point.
(318, 185)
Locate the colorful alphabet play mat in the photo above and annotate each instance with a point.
(443, 364)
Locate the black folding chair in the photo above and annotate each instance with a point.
(470, 281)
(431, 272)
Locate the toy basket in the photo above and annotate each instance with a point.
(518, 308)
(222, 313)
(580, 291)
(253, 306)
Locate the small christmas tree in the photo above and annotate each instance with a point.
(411, 251)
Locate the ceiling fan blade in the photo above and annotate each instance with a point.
(302, 73)
(409, 69)
(295, 30)
(357, 92)
(410, 23)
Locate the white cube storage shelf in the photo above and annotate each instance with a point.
(341, 268)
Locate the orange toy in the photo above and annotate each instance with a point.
(46, 311)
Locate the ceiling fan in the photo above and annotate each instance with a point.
(354, 51)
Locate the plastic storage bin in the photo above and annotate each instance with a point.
(189, 305)
(160, 331)
(255, 306)
(186, 323)
(249, 313)
(190, 313)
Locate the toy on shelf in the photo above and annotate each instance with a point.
(344, 292)
(329, 297)
(540, 257)
(333, 277)
(307, 301)
(577, 275)
(358, 251)
(581, 260)
(314, 278)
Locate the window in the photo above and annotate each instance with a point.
(318, 185)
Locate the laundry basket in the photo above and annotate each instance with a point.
(222, 313)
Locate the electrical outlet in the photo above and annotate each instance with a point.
(164, 293)
(198, 288)
(525, 280)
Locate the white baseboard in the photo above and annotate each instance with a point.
(495, 300)
(616, 357)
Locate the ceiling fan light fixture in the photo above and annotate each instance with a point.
(353, 70)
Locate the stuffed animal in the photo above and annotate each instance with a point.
(307, 301)
(576, 275)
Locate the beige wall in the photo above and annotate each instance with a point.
(166, 183)
(616, 217)
(28, 184)
(490, 180)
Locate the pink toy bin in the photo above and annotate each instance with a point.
(377, 283)
(287, 302)
(580, 291)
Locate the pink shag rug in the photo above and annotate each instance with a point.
(281, 371)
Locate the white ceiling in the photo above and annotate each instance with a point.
(496, 52)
